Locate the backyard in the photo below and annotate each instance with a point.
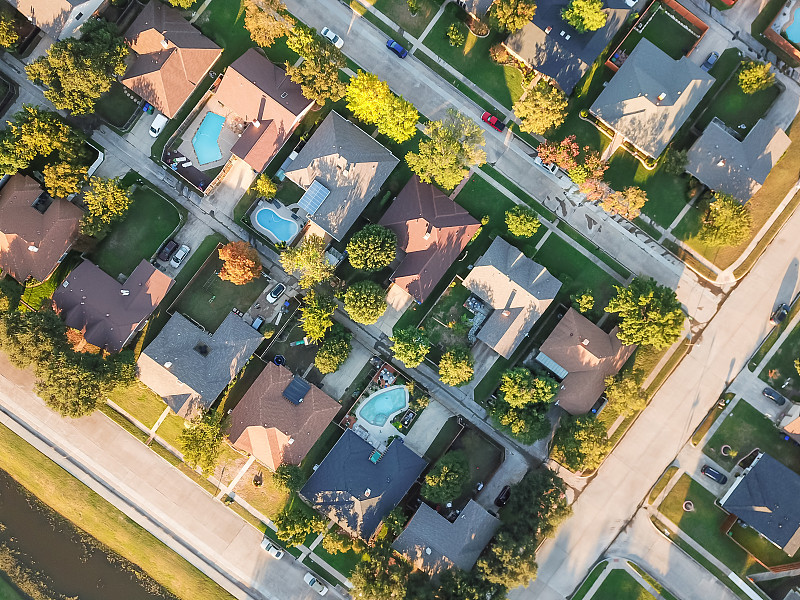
(780, 369)
(35, 293)
(117, 105)
(484, 458)
(449, 322)
(665, 32)
(738, 110)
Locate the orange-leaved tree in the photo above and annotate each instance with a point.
(240, 263)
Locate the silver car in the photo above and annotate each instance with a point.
(332, 37)
(315, 584)
(179, 255)
(274, 551)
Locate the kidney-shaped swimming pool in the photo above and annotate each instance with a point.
(382, 405)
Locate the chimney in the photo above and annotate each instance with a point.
(367, 492)
(427, 235)
(164, 43)
(256, 123)
(506, 313)
(33, 248)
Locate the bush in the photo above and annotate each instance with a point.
(413, 6)
(499, 54)
(456, 36)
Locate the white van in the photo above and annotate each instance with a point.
(158, 125)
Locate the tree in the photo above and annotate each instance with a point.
(726, 223)
(650, 313)
(184, 4)
(379, 576)
(371, 101)
(78, 71)
(446, 480)
(511, 15)
(309, 260)
(266, 20)
(755, 76)
(522, 221)
(63, 179)
(585, 15)
(71, 385)
(537, 506)
(675, 161)
(625, 394)
(455, 36)
(592, 168)
(583, 301)
(543, 108)
(107, 202)
(508, 562)
(456, 367)
(396, 520)
(335, 543)
(518, 387)
(581, 443)
(8, 30)
(289, 477)
(264, 186)
(240, 264)
(372, 249)
(365, 302)
(334, 350)
(563, 153)
(797, 365)
(318, 74)
(455, 145)
(522, 405)
(295, 523)
(201, 443)
(627, 203)
(317, 315)
(411, 346)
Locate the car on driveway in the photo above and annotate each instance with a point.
(268, 545)
(397, 48)
(503, 496)
(709, 61)
(157, 125)
(168, 250)
(179, 255)
(712, 473)
(779, 315)
(276, 293)
(315, 584)
(771, 394)
(496, 123)
(332, 37)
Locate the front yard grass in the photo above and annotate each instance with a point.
(661, 483)
(780, 367)
(117, 105)
(620, 585)
(34, 294)
(140, 402)
(397, 11)
(344, 562)
(268, 498)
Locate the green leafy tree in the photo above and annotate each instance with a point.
(518, 387)
(455, 144)
(78, 71)
(508, 562)
(379, 576)
(63, 179)
(8, 30)
(675, 161)
(70, 388)
(372, 249)
(334, 350)
(585, 15)
(183, 4)
(650, 313)
(797, 365)
(318, 74)
(456, 368)
(295, 523)
(591, 169)
(201, 443)
(537, 506)
(411, 346)
(727, 222)
(266, 20)
(31, 338)
(308, 259)
(240, 263)
(317, 315)
(583, 301)
(542, 109)
(511, 15)
(627, 203)
(581, 443)
(371, 101)
(396, 520)
(755, 76)
(446, 480)
(625, 394)
(365, 302)
(289, 477)
(522, 221)
(522, 405)
(338, 543)
(456, 36)
(107, 201)
(265, 187)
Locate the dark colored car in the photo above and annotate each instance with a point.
(493, 121)
(774, 396)
(503, 496)
(709, 61)
(397, 48)
(779, 315)
(714, 474)
(168, 250)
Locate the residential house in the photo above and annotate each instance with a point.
(189, 367)
(341, 168)
(433, 544)
(790, 422)
(280, 417)
(764, 497)
(516, 288)
(556, 49)
(582, 355)
(59, 19)
(170, 57)
(431, 230)
(36, 231)
(650, 97)
(107, 312)
(726, 163)
(357, 487)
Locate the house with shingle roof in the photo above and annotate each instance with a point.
(357, 487)
(190, 367)
(726, 163)
(36, 231)
(582, 355)
(109, 313)
(60, 19)
(433, 544)
(345, 168)
(431, 230)
(280, 417)
(171, 57)
(518, 290)
(650, 97)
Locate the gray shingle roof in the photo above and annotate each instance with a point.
(739, 168)
(512, 283)
(651, 96)
(193, 379)
(459, 543)
(357, 493)
(349, 163)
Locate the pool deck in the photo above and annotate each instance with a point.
(281, 211)
(784, 18)
(378, 436)
(227, 137)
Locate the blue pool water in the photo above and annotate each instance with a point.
(205, 141)
(282, 229)
(793, 30)
(382, 405)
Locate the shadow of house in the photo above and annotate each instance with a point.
(109, 313)
(189, 368)
(476, 8)
(59, 19)
(170, 60)
(357, 488)
(555, 49)
(36, 231)
(650, 97)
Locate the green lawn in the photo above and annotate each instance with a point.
(344, 562)
(580, 594)
(661, 483)
(35, 293)
(484, 458)
(444, 324)
(397, 11)
(620, 585)
(117, 105)
(665, 33)
(767, 552)
(502, 83)
(735, 108)
(140, 402)
(8, 591)
(139, 236)
(781, 366)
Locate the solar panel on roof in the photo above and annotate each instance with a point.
(314, 197)
(296, 390)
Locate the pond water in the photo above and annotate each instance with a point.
(68, 561)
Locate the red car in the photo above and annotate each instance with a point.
(493, 121)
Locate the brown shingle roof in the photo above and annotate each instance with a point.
(94, 303)
(432, 230)
(22, 227)
(264, 422)
(172, 57)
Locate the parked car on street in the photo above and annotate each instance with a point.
(709, 61)
(315, 584)
(496, 123)
(779, 314)
(179, 255)
(503, 496)
(397, 48)
(771, 394)
(712, 473)
(332, 37)
(276, 293)
(552, 167)
(168, 250)
(268, 545)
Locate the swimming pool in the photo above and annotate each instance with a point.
(205, 141)
(276, 227)
(382, 405)
(793, 30)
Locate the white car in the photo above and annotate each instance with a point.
(332, 37)
(315, 584)
(274, 551)
(179, 255)
(552, 167)
(158, 125)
